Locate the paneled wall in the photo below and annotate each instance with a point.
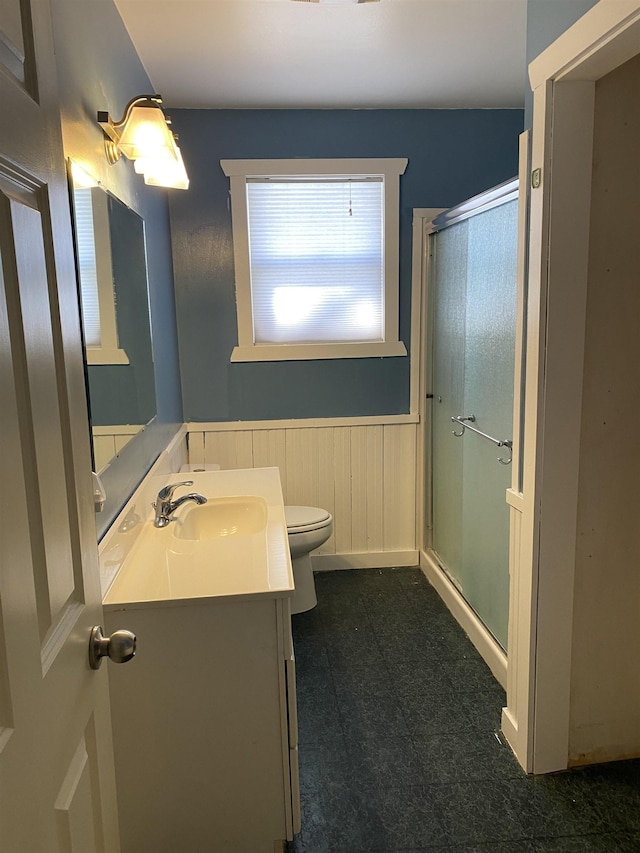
(108, 441)
(363, 473)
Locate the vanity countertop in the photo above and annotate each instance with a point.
(233, 547)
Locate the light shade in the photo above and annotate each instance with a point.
(164, 171)
(146, 134)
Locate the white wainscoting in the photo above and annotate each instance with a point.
(108, 441)
(362, 471)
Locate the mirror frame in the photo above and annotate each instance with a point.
(92, 181)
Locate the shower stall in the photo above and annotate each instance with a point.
(470, 379)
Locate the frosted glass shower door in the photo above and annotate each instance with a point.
(474, 305)
(449, 251)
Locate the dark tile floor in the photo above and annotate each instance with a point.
(400, 748)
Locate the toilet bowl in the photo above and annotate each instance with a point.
(308, 527)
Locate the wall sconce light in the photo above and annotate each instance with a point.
(144, 136)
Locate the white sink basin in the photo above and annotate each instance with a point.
(232, 516)
(234, 545)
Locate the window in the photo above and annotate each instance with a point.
(316, 257)
(93, 246)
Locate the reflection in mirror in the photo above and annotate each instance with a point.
(112, 271)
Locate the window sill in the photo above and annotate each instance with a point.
(311, 352)
(99, 355)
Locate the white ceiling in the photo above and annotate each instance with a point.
(282, 53)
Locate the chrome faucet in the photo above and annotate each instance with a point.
(165, 506)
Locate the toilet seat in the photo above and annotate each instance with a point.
(304, 519)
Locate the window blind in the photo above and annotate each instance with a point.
(317, 259)
(87, 264)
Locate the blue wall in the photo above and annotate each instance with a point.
(98, 68)
(453, 154)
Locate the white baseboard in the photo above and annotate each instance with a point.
(370, 560)
(510, 733)
(489, 649)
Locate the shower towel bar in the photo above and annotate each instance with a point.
(465, 423)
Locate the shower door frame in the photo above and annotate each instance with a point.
(491, 651)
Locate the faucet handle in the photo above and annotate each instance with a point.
(167, 493)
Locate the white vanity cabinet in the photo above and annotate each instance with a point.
(205, 730)
(204, 716)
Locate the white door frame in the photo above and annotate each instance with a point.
(422, 218)
(563, 77)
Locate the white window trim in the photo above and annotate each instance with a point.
(109, 352)
(106, 355)
(238, 171)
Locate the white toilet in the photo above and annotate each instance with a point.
(308, 528)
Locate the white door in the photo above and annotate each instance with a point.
(57, 789)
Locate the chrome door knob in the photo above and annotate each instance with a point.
(119, 647)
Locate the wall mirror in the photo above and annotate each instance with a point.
(114, 302)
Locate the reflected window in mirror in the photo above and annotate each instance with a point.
(93, 243)
(114, 302)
